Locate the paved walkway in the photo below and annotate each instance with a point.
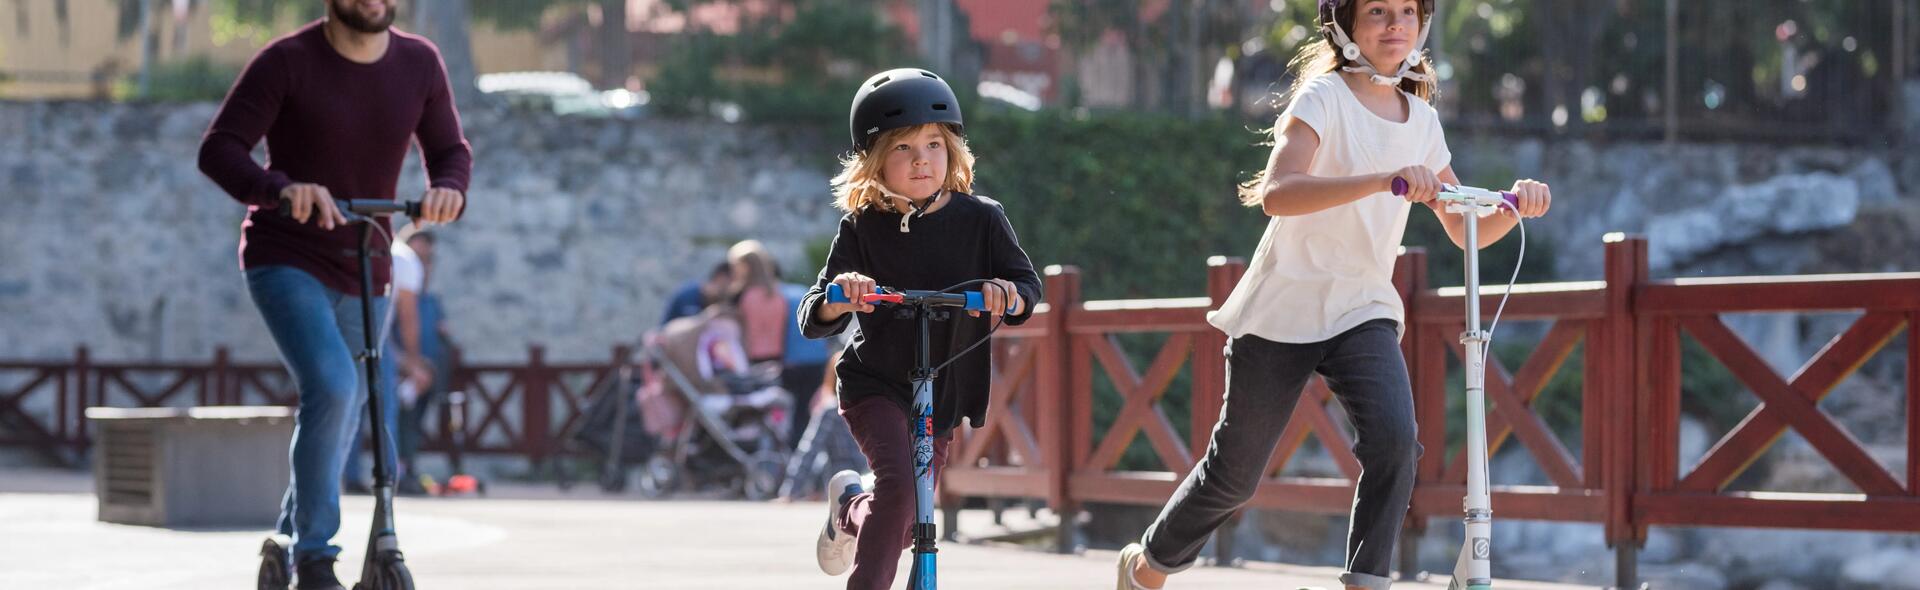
(531, 538)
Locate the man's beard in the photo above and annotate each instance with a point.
(359, 23)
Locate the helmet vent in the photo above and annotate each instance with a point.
(895, 112)
(939, 106)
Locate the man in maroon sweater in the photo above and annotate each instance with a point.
(338, 101)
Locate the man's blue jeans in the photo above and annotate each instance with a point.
(357, 470)
(319, 333)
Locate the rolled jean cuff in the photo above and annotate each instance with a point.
(1146, 552)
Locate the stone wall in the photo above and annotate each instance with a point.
(577, 230)
(1705, 208)
(580, 228)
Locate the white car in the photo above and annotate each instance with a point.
(563, 93)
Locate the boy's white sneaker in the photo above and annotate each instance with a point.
(834, 549)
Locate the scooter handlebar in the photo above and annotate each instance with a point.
(1465, 194)
(366, 207)
(968, 300)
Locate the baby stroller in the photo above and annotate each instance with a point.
(690, 412)
(610, 431)
(716, 420)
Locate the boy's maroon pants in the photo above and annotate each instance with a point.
(882, 517)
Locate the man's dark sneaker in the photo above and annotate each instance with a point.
(316, 574)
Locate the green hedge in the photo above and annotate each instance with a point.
(195, 79)
(1138, 202)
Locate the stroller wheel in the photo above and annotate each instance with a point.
(765, 469)
(763, 479)
(658, 477)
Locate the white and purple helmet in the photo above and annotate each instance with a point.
(1330, 28)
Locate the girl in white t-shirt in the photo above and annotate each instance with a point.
(1318, 296)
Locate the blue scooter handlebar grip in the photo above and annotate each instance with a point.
(836, 295)
(976, 301)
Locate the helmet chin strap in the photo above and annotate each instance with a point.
(917, 208)
(1351, 51)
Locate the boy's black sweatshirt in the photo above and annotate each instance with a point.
(968, 238)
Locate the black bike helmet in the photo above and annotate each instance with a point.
(901, 98)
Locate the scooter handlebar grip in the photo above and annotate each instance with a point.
(1400, 186)
(837, 295)
(976, 301)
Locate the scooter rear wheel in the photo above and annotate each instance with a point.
(276, 568)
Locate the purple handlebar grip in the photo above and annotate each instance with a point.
(1399, 186)
(1512, 199)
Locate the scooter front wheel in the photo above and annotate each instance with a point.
(389, 574)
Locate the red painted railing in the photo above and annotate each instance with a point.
(1040, 441)
(1624, 475)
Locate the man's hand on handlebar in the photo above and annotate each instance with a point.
(311, 202)
(441, 205)
(305, 201)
